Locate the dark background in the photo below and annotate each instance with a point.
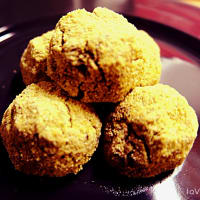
(17, 11)
(174, 13)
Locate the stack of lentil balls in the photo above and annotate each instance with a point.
(51, 128)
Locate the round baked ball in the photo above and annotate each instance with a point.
(47, 134)
(100, 56)
(150, 132)
(33, 62)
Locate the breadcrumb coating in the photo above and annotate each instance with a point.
(150, 132)
(33, 62)
(47, 134)
(100, 56)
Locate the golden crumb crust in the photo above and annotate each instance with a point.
(150, 132)
(33, 62)
(46, 133)
(100, 56)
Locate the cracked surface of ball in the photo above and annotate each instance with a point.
(150, 132)
(47, 134)
(100, 56)
(33, 62)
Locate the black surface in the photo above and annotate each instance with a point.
(97, 180)
(19, 11)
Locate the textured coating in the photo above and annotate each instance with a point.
(150, 132)
(47, 134)
(33, 62)
(100, 57)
